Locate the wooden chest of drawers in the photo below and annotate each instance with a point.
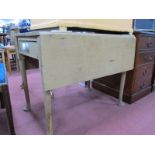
(139, 80)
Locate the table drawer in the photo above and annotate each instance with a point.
(146, 57)
(145, 42)
(29, 48)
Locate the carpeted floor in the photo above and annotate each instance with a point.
(78, 111)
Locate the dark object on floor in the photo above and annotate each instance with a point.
(5, 98)
(5, 103)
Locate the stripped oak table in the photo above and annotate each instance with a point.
(66, 58)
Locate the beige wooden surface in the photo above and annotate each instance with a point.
(68, 58)
(102, 24)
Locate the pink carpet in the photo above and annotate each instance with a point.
(79, 111)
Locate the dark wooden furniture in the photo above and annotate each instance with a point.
(6, 103)
(139, 80)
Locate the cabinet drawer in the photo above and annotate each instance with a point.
(139, 85)
(143, 72)
(29, 48)
(145, 42)
(143, 77)
(146, 57)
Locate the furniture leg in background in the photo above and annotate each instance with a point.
(88, 84)
(8, 107)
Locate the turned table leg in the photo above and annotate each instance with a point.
(122, 84)
(24, 84)
(48, 111)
